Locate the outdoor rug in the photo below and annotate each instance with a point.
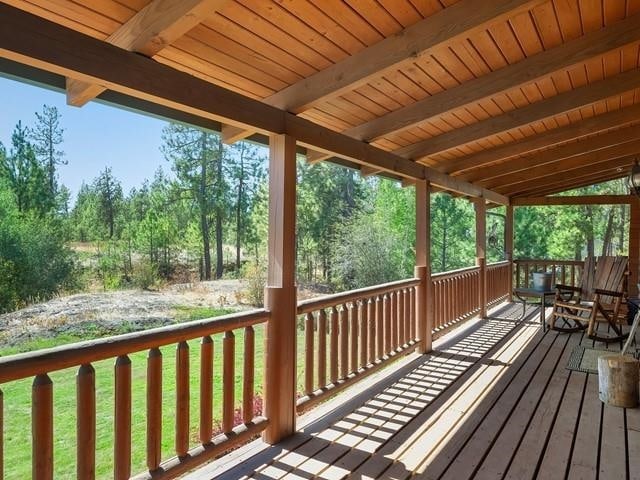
(585, 359)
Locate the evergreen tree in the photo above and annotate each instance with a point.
(47, 136)
(109, 196)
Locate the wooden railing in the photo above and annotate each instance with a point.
(567, 272)
(456, 296)
(351, 334)
(498, 281)
(187, 452)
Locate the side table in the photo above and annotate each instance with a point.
(540, 298)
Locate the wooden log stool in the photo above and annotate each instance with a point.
(618, 378)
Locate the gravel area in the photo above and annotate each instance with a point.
(108, 311)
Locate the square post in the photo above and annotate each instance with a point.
(424, 297)
(634, 245)
(508, 247)
(481, 252)
(280, 292)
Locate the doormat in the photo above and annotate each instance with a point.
(585, 359)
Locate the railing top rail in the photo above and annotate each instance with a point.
(330, 300)
(454, 273)
(548, 261)
(51, 359)
(501, 263)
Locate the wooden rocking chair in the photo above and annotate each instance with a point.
(598, 299)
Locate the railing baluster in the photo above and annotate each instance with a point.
(154, 408)
(406, 300)
(387, 324)
(182, 399)
(248, 374)
(86, 422)
(333, 370)
(379, 326)
(412, 314)
(322, 348)
(364, 330)
(206, 390)
(42, 427)
(308, 353)
(401, 318)
(344, 341)
(122, 419)
(228, 380)
(353, 346)
(371, 326)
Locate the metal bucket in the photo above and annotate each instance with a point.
(541, 281)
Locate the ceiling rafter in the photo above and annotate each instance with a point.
(499, 81)
(567, 133)
(457, 21)
(566, 168)
(547, 158)
(31, 40)
(537, 111)
(156, 26)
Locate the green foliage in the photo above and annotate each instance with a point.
(452, 233)
(255, 275)
(34, 263)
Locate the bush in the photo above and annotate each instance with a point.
(256, 278)
(145, 275)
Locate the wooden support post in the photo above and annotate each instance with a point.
(280, 293)
(634, 246)
(481, 252)
(424, 297)
(508, 247)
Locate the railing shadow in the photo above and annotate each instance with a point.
(345, 441)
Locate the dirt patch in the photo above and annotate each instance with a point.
(109, 311)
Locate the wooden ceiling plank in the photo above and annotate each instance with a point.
(456, 22)
(502, 171)
(572, 200)
(31, 40)
(570, 132)
(150, 30)
(550, 107)
(567, 168)
(499, 81)
(614, 169)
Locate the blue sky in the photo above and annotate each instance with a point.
(95, 135)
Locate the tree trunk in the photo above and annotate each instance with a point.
(240, 199)
(623, 227)
(219, 212)
(204, 221)
(589, 231)
(606, 241)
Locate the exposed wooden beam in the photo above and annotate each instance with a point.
(572, 200)
(231, 134)
(34, 41)
(535, 112)
(578, 183)
(589, 126)
(314, 157)
(156, 26)
(499, 174)
(457, 21)
(528, 70)
(566, 169)
(617, 169)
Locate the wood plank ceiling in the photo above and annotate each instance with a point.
(532, 99)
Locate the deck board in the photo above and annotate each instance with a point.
(496, 402)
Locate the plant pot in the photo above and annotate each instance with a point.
(541, 281)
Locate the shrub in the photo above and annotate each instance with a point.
(256, 277)
(145, 275)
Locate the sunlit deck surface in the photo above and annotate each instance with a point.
(494, 400)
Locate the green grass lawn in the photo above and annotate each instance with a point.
(17, 401)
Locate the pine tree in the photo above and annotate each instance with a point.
(109, 192)
(47, 136)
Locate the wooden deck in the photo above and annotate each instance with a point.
(494, 400)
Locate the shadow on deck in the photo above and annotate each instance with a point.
(494, 400)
